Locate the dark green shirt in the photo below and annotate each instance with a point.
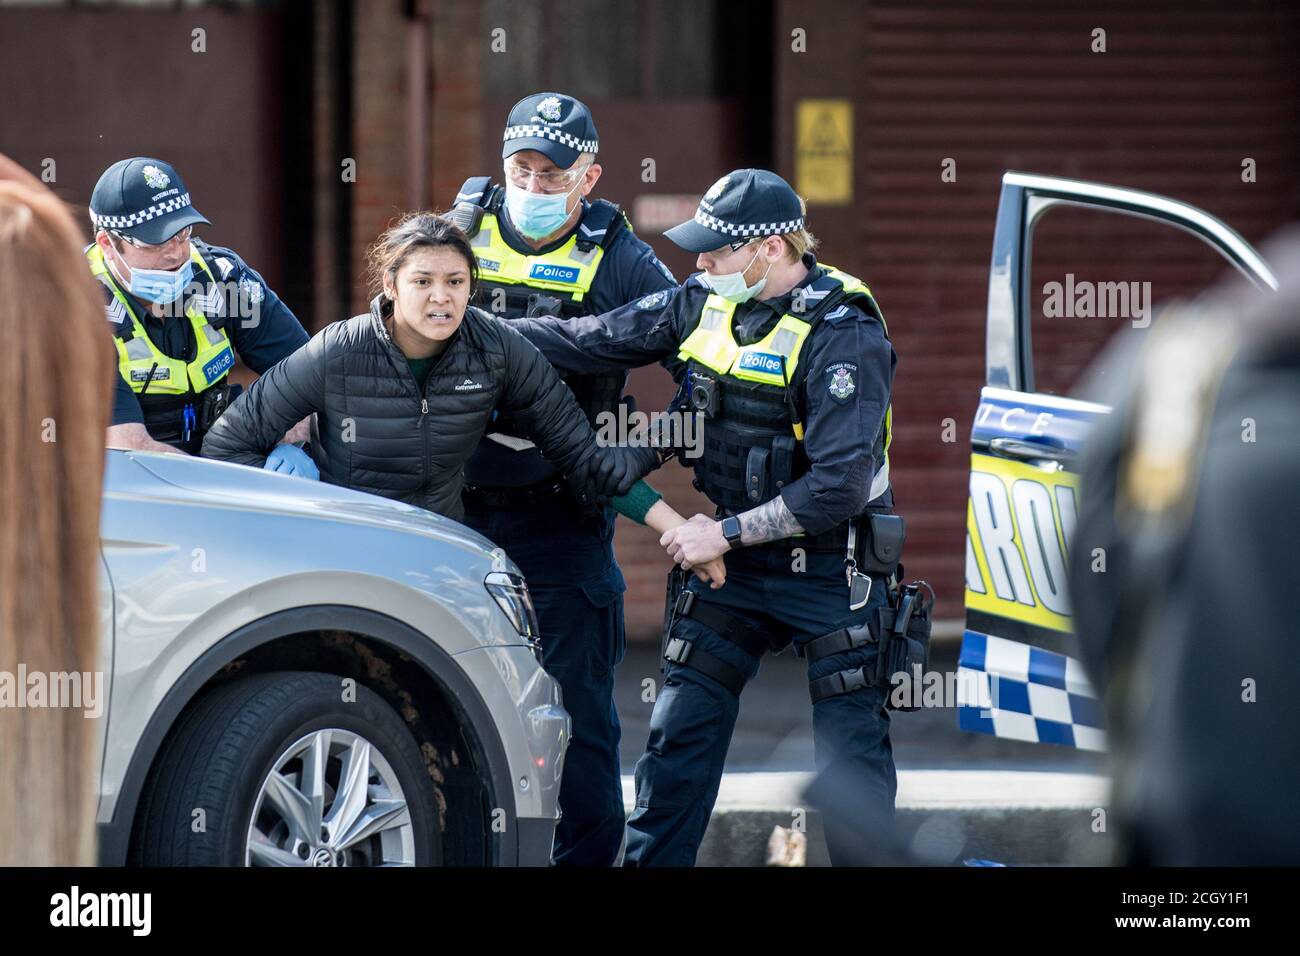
(420, 369)
(633, 505)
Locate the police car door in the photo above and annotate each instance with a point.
(1019, 676)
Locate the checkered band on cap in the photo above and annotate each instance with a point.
(144, 215)
(744, 229)
(546, 132)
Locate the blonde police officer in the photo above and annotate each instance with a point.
(790, 365)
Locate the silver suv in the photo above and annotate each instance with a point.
(302, 675)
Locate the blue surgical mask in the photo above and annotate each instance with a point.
(161, 286)
(537, 214)
(731, 286)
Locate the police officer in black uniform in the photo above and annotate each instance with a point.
(179, 310)
(790, 365)
(544, 249)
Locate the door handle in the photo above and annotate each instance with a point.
(1023, 450)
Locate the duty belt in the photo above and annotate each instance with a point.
(525, 496)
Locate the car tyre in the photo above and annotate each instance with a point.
(288, 769)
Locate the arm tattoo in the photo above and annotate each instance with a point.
(770, 522)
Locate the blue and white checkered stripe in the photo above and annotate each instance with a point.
(1020, 692)
(144, 215)
(548, 132)
(747, 229)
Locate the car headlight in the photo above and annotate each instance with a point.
(511, 594)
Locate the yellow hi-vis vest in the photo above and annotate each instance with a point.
(567, 269)
(773, 359)
(138, 357)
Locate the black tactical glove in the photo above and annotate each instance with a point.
(619, 467)
(580, 482)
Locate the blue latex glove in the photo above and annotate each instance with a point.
(292, 460)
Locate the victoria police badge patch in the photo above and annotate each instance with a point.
(155, 178)
(840, 382)
(654, 300)
(250, 291)
(549, 109)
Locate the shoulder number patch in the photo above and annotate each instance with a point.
(839, 380)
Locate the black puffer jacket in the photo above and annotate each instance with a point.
(374, 429)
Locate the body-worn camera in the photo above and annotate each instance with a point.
(541, 305)
(705, 395)
(214, 403)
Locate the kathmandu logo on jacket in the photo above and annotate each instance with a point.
(469, 385)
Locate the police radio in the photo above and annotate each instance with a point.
(465, 216)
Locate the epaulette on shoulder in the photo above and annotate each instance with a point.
(476, 190)
(600, 224)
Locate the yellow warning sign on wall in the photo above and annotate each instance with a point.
(823, 151)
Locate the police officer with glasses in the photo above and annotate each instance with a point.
(180, 310)
(544, 248)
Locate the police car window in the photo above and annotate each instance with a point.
(1094, 273)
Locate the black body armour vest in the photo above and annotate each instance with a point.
(753, 431)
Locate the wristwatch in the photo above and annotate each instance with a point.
(731, 530)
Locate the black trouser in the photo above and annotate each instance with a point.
(577, 589)
(783, 600)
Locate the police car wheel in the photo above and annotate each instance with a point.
(286, 769)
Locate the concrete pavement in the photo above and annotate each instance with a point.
(960, 796)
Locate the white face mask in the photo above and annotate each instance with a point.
(732, 287)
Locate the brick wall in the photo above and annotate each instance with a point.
(462, 133)
(378, 130)
(1002, 85)
(1182, 94)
